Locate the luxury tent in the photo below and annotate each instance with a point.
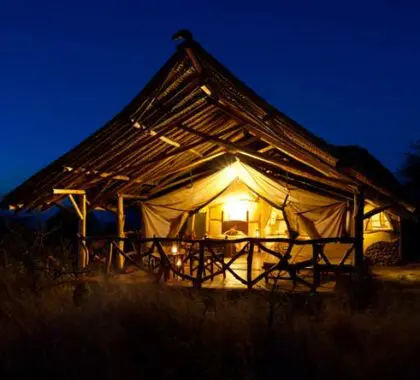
(207, 161)
(313, 215)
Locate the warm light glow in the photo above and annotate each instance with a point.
(379, 222)
(376, 222)
(206, 90)
(178, 262)
(231, 172)
(257, 233)
(174, 249)
(236, 209)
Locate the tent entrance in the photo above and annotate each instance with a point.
(237, 212)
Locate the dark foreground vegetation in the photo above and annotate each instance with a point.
(114, 331)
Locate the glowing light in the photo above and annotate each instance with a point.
(174, 249)
(236, 209)
(206, 90)
(257, 233)
(231, 172)
(178, 262)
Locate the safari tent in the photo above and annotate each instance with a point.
(212, 165)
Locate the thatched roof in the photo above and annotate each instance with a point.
(191, 116)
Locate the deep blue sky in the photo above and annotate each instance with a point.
(348, 71)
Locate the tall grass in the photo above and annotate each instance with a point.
(150, 331)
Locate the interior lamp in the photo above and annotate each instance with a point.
(236, 209)
(174, 249)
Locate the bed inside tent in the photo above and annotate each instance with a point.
(239, 201)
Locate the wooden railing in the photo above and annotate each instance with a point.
(200, 261)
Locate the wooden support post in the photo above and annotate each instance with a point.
(82, 248)
(250, 259)
(120, 231)
(358, 214)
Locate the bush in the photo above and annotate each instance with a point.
(154, 331)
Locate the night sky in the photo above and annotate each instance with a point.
(349, 71)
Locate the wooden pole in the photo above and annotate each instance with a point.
(250, 258)
(120, 231)
(82, 248)
(358, 214)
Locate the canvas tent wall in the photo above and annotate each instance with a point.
(314, 214)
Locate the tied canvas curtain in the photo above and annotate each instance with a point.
(265, 215)
(164, 216)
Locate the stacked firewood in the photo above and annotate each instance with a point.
(383, 253)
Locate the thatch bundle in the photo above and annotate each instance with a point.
(383, 253)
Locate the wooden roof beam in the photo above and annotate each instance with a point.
(179, 170)
(166, 156)
(259, 125)
(377, 210)
(266, 149)
(132, 196)
(104, 175)
(68, 192)
(165, 139)
(260, 157)
(170, 184)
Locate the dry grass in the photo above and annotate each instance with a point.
(152, 331)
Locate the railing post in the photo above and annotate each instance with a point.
(316, 275)
(249, 261)
(164, 265)
(200, 269)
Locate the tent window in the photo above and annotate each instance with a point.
(378, 222)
